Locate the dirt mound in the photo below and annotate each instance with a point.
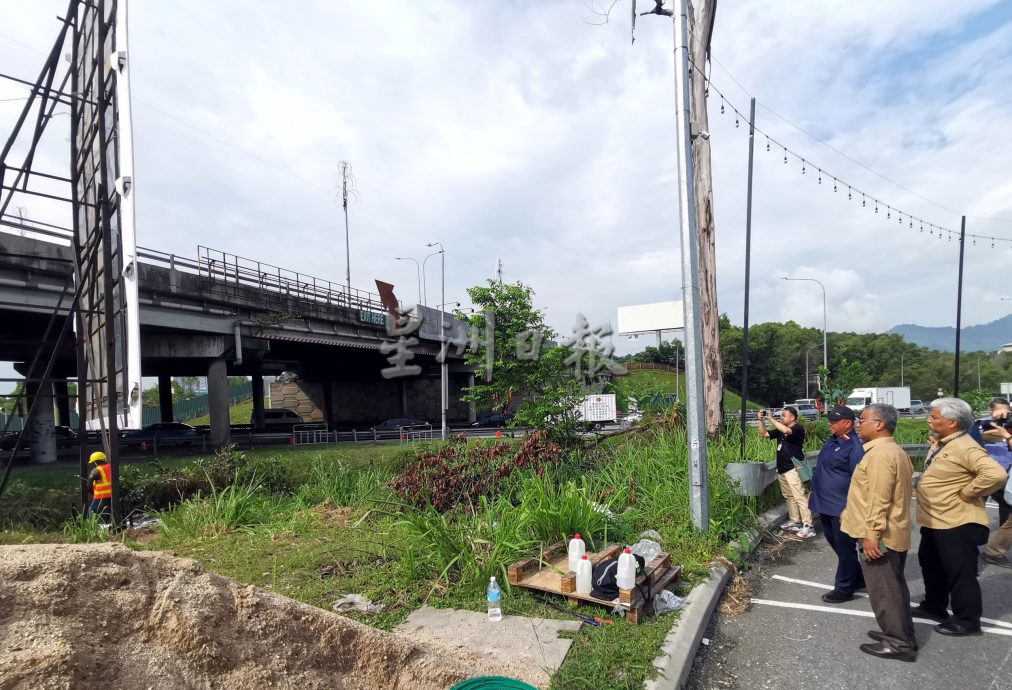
(100, 616)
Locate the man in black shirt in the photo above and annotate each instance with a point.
(790, 438)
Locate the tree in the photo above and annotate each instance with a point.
(528, 376)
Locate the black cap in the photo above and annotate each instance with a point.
(840, 412)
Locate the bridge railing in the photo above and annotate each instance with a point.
(237, 271)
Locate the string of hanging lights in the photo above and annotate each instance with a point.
(902, 217)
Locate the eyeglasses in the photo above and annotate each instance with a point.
(862, 421)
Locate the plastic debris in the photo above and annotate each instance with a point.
(667, 601)
(647, 548)
(356, 602)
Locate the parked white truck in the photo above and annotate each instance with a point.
(898, 397)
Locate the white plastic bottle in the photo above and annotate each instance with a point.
(625, 577)
(576, 549)
(494, 595)
(584, 575)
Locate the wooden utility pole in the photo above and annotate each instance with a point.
(701, 17)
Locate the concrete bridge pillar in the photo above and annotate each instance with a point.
(165, 398)
(41, 427)
(62, 392)
(258, 402)
(217, 399)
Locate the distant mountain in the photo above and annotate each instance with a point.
(987, 337)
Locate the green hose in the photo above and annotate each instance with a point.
(492, 683)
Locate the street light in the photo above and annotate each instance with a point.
(825, 348)
(444, 393)
(425, 282)
(902, 354)
(808, 379)
(418, 272)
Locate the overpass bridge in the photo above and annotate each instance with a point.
(221, 315)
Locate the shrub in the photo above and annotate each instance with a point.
(460, 472)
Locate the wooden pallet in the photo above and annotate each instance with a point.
(550, 573)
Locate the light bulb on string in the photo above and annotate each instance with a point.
(785, 156)
(834, 184)
(911, 223)
(992, 242)
(767, 143)
(736, 124)
(820, 175)
(850, 194)
(876, 206)
(889, 213)
(802, 166)
(975, 243)
(721, 105)
(864, 202)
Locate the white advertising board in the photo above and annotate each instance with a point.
(659, 316)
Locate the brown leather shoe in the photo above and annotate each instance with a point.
(884, 651)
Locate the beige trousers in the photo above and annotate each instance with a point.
(1001, 540)
(794, 493)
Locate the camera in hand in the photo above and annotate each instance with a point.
(986, 423)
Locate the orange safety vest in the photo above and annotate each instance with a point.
(102, 488)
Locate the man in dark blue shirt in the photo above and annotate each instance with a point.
(838, 459)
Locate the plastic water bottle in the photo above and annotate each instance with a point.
(576, 549)
(494, 595)
(584, 575)
(625, 577)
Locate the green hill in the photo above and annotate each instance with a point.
(664, 381)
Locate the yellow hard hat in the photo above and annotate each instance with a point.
(96, 456)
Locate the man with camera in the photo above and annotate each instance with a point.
(997, 432)
(790, 438)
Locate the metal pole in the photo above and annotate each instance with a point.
(959, 305)
(699, 501)
(443, 389)
(825, 320)
(748, 255)
(418, 273)
(347, 236)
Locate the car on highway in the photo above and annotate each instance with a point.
(279, 418)
(398, 422)
(65, 438)
(492, 420)
(808, 411)
(164, 433)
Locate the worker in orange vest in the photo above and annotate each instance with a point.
(100, 479)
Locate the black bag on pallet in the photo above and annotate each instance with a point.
(603, 584)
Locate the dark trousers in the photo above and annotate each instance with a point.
(948, 559)
(102, 507)
(890, 599)
(848, 569)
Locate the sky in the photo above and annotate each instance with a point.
(534, 133)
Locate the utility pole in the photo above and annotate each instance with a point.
(699, 498)
(345, 171)
(701, 28)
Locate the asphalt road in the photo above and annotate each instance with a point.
(789, 639)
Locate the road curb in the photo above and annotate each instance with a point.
(680, 645)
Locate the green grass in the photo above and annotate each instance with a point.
(333, 527)
(239, 413)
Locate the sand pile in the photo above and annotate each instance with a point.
(102, 616)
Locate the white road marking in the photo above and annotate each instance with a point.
(819, 585)
(861, 614)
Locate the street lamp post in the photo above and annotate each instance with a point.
(443, 392)
(902, 355)
(418, 272)
(808, 378)
(425, 282)
(825, 348)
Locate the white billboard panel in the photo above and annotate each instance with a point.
(659, 316)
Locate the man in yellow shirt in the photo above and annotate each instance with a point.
(877, 515)
(958, 477)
